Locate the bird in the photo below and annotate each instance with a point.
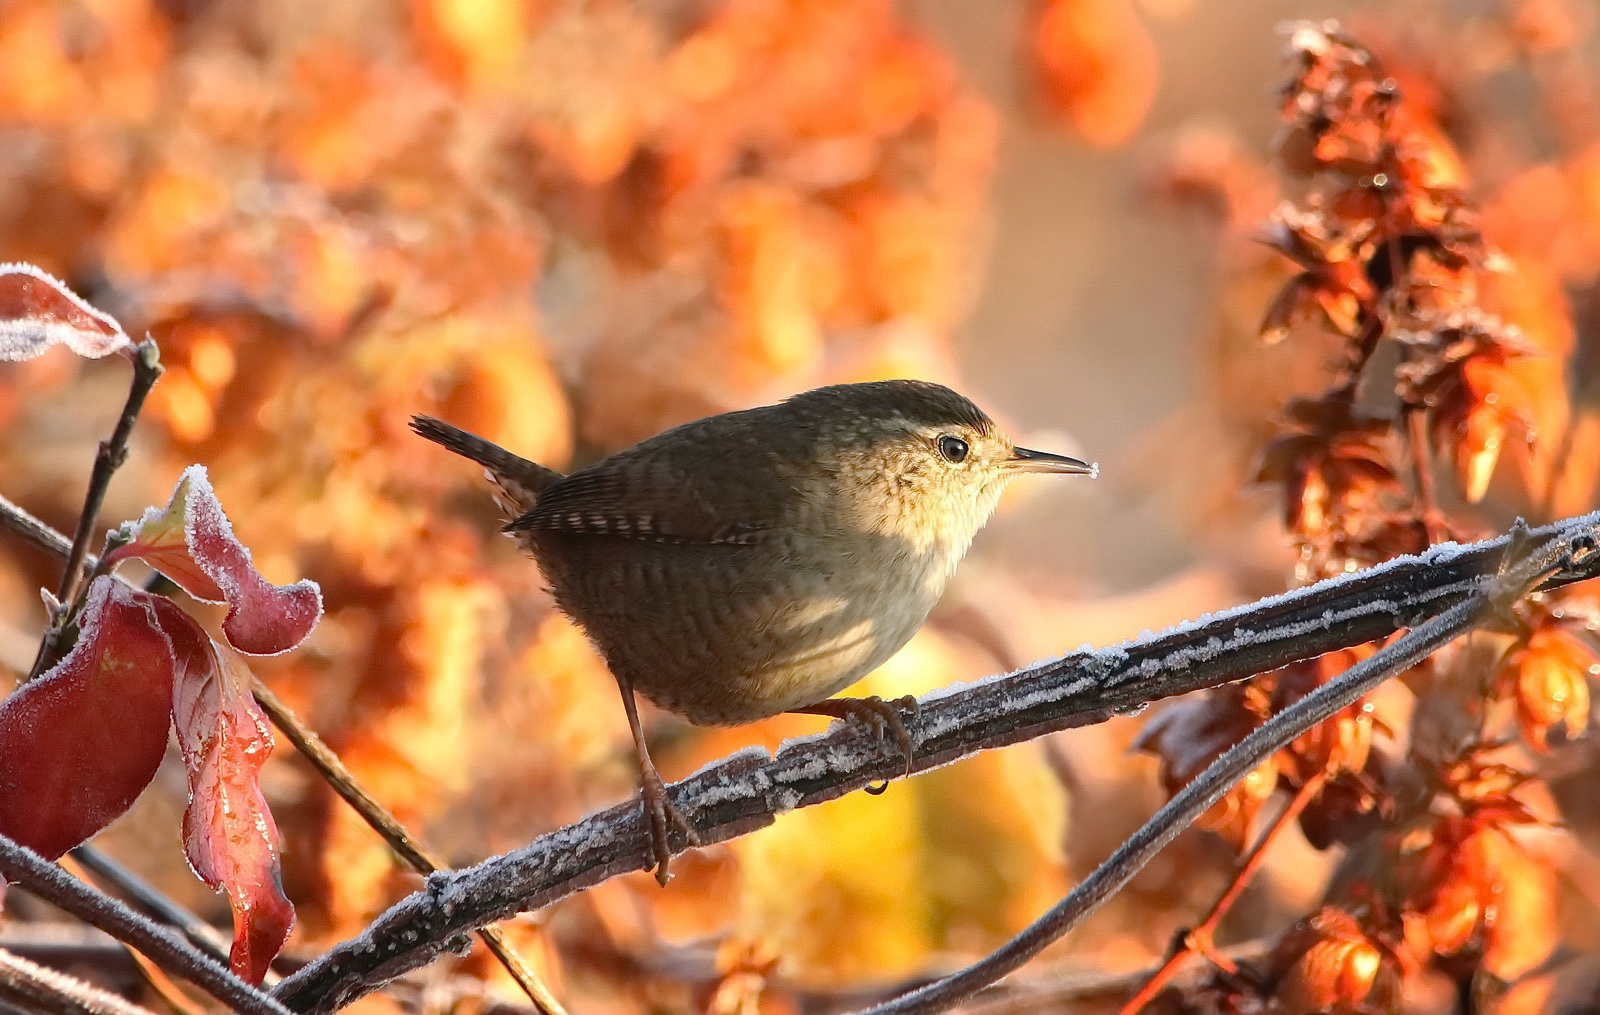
(760, 561)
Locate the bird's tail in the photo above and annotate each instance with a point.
(521, 479)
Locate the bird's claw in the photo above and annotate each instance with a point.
(884, 716)
(662, 816)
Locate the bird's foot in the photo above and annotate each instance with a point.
(884, 716)
(662, 816)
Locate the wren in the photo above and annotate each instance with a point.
(759, 561)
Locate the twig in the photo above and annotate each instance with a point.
(199, 933)
(110, 456)
(326, 762)
(30, 987)
(17, 519)
(1049, 993)
(52, 884)
(1522, 571)
(415, 855)
(746, 790)
(1200, 939)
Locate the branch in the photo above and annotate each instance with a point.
(327, 764)
(414, 854)
(26, 986)
(52, 884)
(110, 456)
(1526, 566)
(746, 790)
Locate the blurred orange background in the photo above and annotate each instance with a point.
(569, 225)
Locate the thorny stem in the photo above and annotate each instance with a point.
(1200, 939)
(110, 456)
(1521, 571)
(55, 886)
(745, 791)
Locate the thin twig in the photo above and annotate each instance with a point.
(202, 935)
(110, 456)
(1050, 993)
(49, 882)
(44, 536)
(746, 790)
(1200, 939)
(1522, 571)
(415, 855)
(326, 762)
(27, 986)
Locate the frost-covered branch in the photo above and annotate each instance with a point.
(1527, 563)
(49, 882)
(746, 790)
(312, 748)
(29, 987)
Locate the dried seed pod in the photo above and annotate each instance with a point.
(1549, 681)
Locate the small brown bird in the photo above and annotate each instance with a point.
(757, 562)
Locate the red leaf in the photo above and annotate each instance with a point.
(79, 744)
(37, 311)
(192, 542)
(228, 832)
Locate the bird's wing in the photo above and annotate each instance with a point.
(705, 486)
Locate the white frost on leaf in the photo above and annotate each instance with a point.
(38, 312)
(191, 541)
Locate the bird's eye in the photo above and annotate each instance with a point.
(953, 448)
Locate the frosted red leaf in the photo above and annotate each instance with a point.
(38, 312)
(229, 835)
(191, 541)
(79, 744)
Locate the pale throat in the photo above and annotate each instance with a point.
(935, 524)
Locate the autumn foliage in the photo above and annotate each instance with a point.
(568, 226)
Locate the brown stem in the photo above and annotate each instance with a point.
(1200, 939)
(415, 855)
(110, 456)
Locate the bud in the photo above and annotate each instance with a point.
(1551, 685)
(1337, 971)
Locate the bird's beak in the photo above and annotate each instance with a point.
(1023, 460)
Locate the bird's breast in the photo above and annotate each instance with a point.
(730, 634)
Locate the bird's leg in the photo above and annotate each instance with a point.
(883, 715)
(659, 810)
